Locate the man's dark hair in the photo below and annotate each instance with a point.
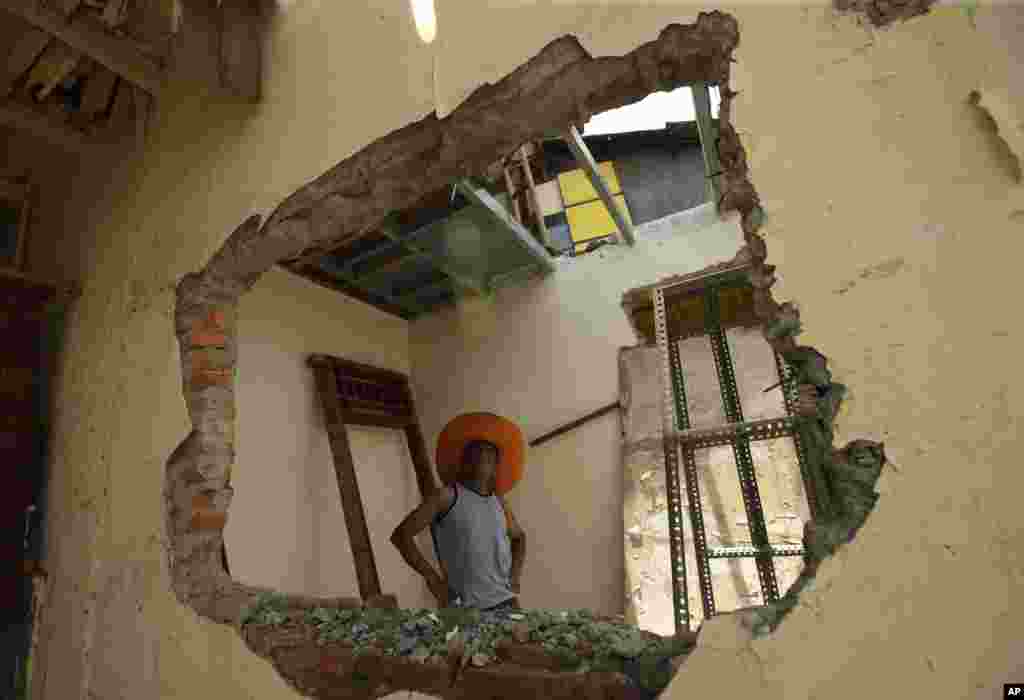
(471, 451)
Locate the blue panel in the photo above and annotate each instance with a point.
(561, 238)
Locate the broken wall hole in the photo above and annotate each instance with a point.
(346, 647)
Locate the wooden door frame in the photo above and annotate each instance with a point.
(355, 394)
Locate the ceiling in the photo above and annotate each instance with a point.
(450, 244)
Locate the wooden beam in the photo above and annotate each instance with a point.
(142, 102)
(708, 138)
(88, 36)
(374, 419)
(575, 424)
(26, 49)
(511, 189)
(420, 459)
(376, 375)
(502, 217)
(66, 7)
(51, 68)
(348, 486)
(14, 190)
(98, 93)
(586, 161)
(121, 125)
(241, 48)
(357, 369)
(44, 126)
(534, 199)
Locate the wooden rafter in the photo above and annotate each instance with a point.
(88, 36)
(534, 200)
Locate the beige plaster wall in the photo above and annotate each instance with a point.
(865, 153)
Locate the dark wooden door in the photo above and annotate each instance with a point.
(29, 315)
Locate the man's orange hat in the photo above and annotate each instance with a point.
(501, 432)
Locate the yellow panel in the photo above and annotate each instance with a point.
(576, 187)
(592, 220)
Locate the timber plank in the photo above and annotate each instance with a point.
(348, 486)
(65, 7)
(89, 36)
(241, 48)
(197, 55)
(375, 420)
(52, 67)
(98, 93)
(152, 21)
(122, 113)
(143, 103)
(115, 12)
(420, 458)
(23, 54)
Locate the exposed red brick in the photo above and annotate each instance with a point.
(215, 320)
(211, 377)
(207, 520)
(210, 330)
(205, 515)
(204, 338)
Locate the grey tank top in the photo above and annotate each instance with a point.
(473, 545)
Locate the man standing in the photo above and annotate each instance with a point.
(478, 541)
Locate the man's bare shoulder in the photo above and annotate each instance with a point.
(442, 498)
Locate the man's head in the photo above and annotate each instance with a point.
(480, 462)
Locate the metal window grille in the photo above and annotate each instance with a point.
(681, 442)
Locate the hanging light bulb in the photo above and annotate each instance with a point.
(425, 18)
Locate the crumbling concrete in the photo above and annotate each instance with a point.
(884, 12)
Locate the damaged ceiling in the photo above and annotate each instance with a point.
(451, 243)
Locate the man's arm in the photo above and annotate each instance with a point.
(518, 540)
(404, 536)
